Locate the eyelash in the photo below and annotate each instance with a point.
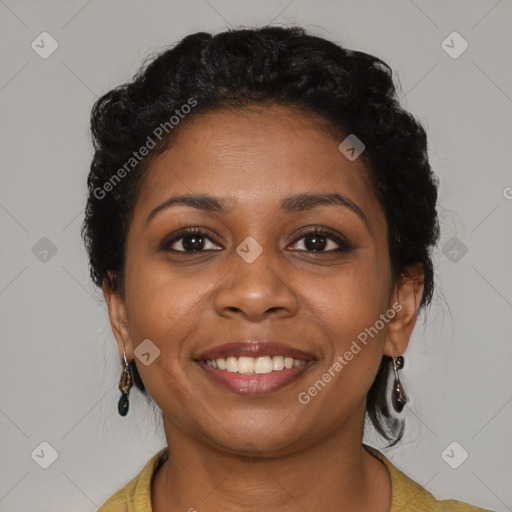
(344, 245)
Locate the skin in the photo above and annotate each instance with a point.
(304, 457)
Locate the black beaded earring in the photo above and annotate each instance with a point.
(398, 396)
(124, 385)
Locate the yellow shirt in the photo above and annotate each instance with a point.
(407, 495)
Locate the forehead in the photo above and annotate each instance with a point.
(256, 156)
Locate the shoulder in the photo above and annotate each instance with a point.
(135, 495)
(406, 494)
(455, 506)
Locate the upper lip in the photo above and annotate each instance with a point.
(254, 348)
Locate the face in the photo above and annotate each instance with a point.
(263, 262)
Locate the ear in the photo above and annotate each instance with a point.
(118, 318)
(405, 300)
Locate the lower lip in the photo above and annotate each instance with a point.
(255, 384)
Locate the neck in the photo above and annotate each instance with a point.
(334, 474)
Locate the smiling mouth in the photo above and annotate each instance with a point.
(254, 366)
(245, 365)
(255, 376)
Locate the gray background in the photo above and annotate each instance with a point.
(60, 366)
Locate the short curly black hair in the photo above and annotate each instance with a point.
(351, 90)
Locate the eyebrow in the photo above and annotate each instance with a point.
(292, 204)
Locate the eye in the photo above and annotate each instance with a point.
(317, 240)
(322, 239)
(191, 240)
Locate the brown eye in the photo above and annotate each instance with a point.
(191, 240)
(324, 240)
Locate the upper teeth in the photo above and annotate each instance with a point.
(265, 364)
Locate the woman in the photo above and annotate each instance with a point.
(260, 218)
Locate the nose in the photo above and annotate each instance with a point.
(255, 291)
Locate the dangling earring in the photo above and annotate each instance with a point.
(124, 385)
(398, 396)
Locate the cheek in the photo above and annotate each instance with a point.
(350, 299)
(348, 306)
(159, 304)
(163, 309)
